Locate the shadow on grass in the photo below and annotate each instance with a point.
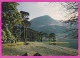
(37, 54)
(26, 44)
(25, 54)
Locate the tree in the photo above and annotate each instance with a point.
(41, 35)
(10, 18)
(52, 36)
(4, 37)
(17, 33)
(25, 23)
(45, 35)
(10, 37)
(10, 14)
(72, 8)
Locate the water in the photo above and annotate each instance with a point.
(72, 43)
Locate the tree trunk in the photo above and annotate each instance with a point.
(15, 41)
(49, 40)
(41, 38)
(24, 33)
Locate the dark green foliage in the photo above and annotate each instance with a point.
(41, 35)
(7, 36)
(52, 36)
(4, 37)
(10, 14)
(10, 37)
(17, 33)
(33, 35)
(23, 13)
(10, 18)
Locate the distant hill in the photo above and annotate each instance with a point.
(46, 24)
(42, 21)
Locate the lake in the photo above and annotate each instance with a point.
(70, 43)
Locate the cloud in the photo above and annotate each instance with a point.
(36, 9)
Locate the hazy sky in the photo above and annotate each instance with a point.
(36, 9)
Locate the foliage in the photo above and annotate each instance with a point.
(10, 18)
(52, 36)
(32, 35)
(10, 37)
(17, 33)
(10, 14)
(4, 37)
(72, 8)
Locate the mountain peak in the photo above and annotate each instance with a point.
(42, 17)
(45, 17)
(42, 21)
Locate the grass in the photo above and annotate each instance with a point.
(57, 42)
(37, 47)
(13, 44)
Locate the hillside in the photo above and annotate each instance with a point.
(46, 24)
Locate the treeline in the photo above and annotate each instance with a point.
(33, 35)
(39, 36)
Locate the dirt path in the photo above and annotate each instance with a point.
(38, 47)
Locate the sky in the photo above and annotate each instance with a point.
(36, 9)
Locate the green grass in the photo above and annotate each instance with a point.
(58, 42)
(13, 44)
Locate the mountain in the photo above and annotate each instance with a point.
(46, 24)
(42, 21)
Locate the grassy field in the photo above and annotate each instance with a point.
(32, 48)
